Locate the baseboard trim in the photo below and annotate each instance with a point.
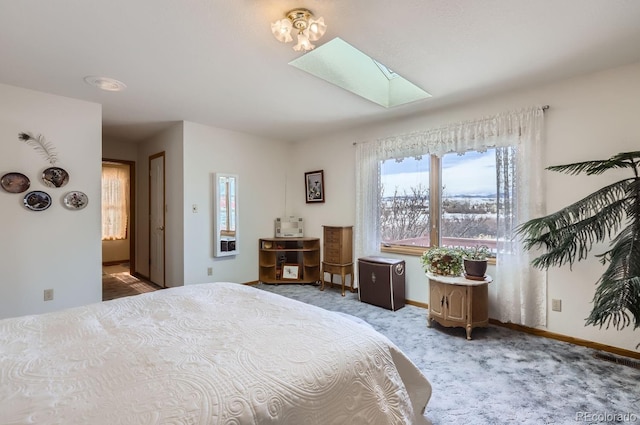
(141, 276)
(114, 263)
(553, 335)
(417, 304)
(569, 339)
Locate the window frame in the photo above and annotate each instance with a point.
(435, 214)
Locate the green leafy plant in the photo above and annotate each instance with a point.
(481, 252)
(443, 261)
(610, 213)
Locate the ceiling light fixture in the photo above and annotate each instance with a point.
(105, 83)
(309, 28)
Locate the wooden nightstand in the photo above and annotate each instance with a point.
(458, 302)
(337, 255)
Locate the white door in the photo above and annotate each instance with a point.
(156, 219)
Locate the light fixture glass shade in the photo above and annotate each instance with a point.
(303, 42)
(282, 30)
(301, 20)
(316, 28)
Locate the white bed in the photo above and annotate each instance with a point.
(218, 353)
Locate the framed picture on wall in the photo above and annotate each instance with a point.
(314, 186)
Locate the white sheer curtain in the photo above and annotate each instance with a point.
(518, 135)
(115, 183)
(367, 237)
(520, 290)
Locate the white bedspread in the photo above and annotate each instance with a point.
(219, 353)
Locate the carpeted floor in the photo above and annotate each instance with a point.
(121, 284)
(501, 376)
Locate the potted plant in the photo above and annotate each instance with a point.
(474, 260)
(443, 261)
(612, 214)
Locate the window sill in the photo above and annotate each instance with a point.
(406, 250)
(415, 251)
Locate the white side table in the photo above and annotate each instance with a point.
(455, 301)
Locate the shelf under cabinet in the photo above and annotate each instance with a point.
(303, 252)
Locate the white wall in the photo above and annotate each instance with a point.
(262, 166)
(56, 248)
(115, 149)
(590, 117)
(170, 142)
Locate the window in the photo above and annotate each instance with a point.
(404, 202)
(115, 201)
(456, 193)
(517, 137)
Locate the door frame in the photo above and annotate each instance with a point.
(164, 217)
(132, 210)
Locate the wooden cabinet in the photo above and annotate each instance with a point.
(337, 254)
(277, 255)
(338, 244)
(458, 302)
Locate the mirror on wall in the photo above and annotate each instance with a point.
(225, 197)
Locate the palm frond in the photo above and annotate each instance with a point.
(585, 207)
(617, 296)
(615, 303)
(573, 240)
(634, 192)
(44, 148)
(570, 233)
(621, 160)
(624, 255)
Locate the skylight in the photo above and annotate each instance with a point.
(341, 64)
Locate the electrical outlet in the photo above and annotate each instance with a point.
(194, 208)
(556, 305)
(209, 271)
(48, 294)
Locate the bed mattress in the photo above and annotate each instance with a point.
(216, 353)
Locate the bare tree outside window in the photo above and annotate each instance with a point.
(468, 202)
(405, 216)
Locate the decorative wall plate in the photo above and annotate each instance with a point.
(15, 182)
(37, 200)
(55, 177)
(75, 200)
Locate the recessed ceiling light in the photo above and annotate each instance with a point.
(105, 83)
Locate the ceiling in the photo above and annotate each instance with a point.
(215, 62)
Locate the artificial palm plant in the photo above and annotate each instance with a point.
(611, 213)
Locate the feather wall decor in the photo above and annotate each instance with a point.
(39, 143)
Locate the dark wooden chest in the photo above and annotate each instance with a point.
(382, 282)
